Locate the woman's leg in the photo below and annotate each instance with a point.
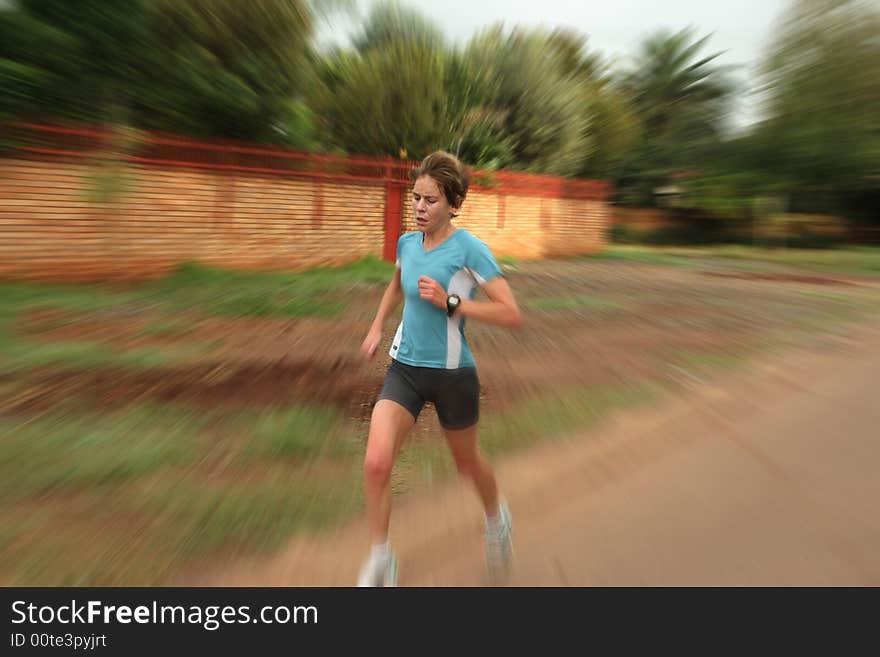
(473, 466)
(389, 426)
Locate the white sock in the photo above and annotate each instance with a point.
(495, 523)
(380, 552)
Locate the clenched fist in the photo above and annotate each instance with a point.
(430, 290)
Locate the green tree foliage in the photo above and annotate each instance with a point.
(818, 148)
(822, 133)
(229, 68)
(530, 99)
(539, 97)
(203, 67)
(386, 99)
(680, 97)
(76, 60)
(389, 22)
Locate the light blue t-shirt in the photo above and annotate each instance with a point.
(426, 337)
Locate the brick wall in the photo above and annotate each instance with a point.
(530, 227)
(55, 224)
(51, 226)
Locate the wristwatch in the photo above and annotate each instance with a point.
(452, 303)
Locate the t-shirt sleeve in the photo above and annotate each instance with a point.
(481, 262)
(399, 246)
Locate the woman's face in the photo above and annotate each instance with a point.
(430, 207)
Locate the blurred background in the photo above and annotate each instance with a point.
(211, 413)
(706, 109)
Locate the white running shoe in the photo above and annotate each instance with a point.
(379, 572)
(499, 545)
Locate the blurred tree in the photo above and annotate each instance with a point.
(532, 100)
(822, 131)
(76, 60)
(615, 129)
(401, 90)
(229, 68)
(23, 79)
(389, 22)
(672, 84)
(386, 99)
(203, 67)
(477, 121)
(326, 9)
(537, 81)
(609, 124)
(680, 98)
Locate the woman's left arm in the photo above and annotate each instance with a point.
(500, 310)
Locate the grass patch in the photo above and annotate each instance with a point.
(141, 491)
(16, 296)
(695, 364)
(193, 289)
(582, 302)
(556, 413)
(302, 432)
(643, 255)
(19, 354)
(209, 290)
(69, 449)
(168, 328)
(145, 533)
(254, 516)
(854, 260)
(228, 293)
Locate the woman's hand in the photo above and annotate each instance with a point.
(371, 343)
(430, 290)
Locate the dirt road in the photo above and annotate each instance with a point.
(767, 477)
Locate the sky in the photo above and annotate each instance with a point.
(741, 29)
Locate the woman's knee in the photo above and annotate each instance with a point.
(378, 466)
(465, 452)
(467, 463)
(388, 427)
(381, 452)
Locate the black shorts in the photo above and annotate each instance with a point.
(454, 393)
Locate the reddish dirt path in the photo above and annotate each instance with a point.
(766, 477)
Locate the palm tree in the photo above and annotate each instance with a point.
(679, 96)
(674, 82)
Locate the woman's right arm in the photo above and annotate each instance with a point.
(390, 300)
